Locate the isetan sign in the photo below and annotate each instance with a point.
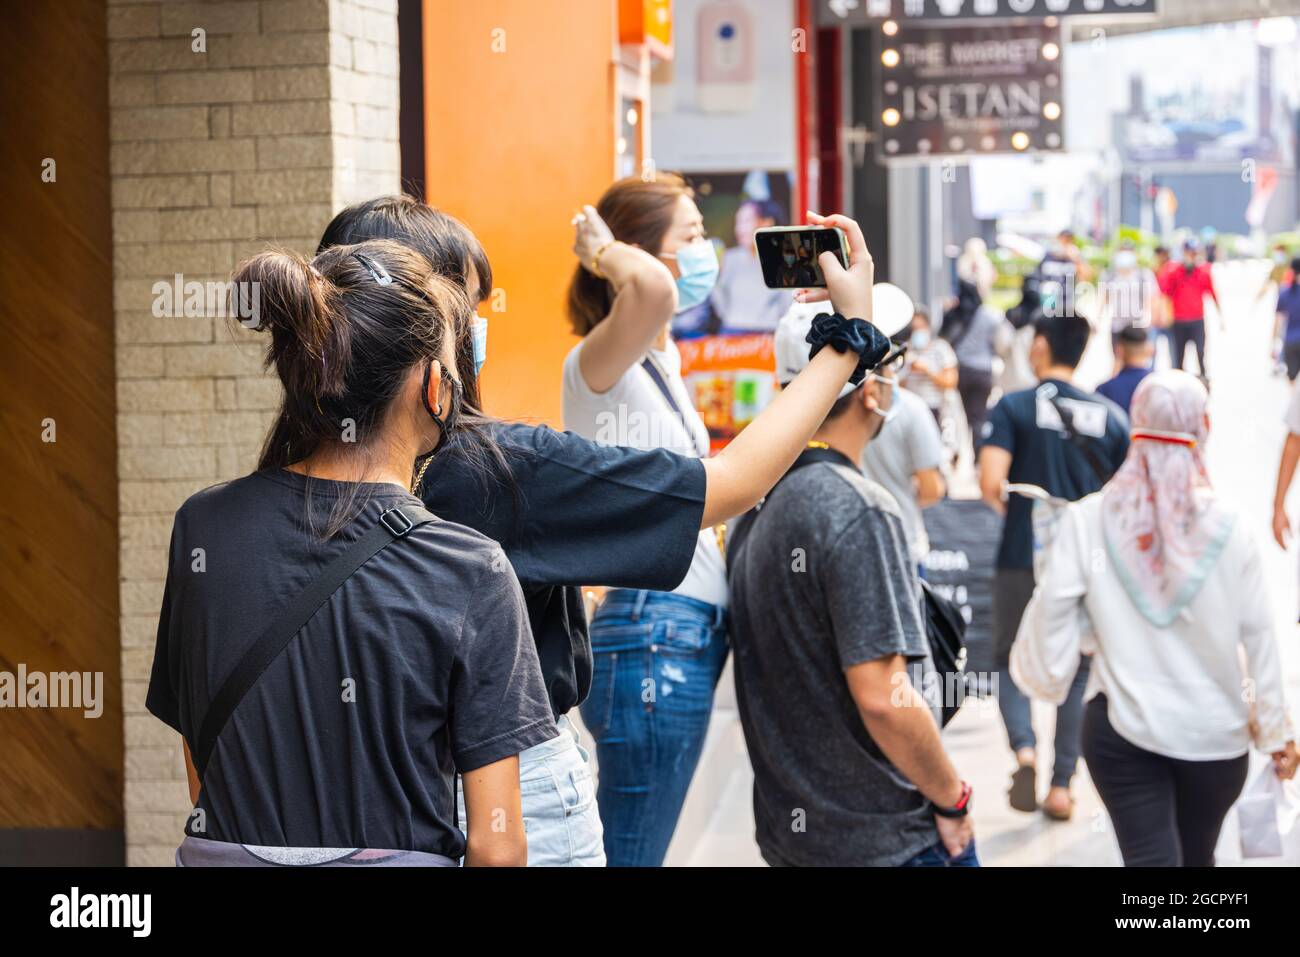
(953, 90)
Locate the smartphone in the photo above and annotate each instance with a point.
(788, 254)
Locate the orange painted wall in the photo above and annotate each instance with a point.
(516, 142)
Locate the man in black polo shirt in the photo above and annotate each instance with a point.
(1067, 442)
(848, 766)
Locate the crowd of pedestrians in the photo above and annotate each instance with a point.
(395, 684)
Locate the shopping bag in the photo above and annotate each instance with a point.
(1266, 813)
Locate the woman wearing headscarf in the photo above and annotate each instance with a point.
(1170, 577)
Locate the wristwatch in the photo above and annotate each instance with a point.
(961, 808)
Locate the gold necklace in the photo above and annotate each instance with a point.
(419, 476)
(816, 444)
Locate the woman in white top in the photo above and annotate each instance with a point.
(656, 655)
(1181, 627)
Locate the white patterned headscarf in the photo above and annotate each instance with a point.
(1162, 525)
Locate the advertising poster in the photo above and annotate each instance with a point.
(964, 536)
(730, 380)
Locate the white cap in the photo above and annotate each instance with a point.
(791, 341)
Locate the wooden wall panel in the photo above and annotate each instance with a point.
(58, 501)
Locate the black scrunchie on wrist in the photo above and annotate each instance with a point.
(849, 335)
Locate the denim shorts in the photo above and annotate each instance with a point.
(559, 803)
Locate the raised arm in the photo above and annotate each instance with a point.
(645, 297)
(755, 460)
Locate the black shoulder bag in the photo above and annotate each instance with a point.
(1080, 441)
(945, 627)
(284, 627)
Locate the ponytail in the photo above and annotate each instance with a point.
(343, 342)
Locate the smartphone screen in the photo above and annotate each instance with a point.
(788, 257)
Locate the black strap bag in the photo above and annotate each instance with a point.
(945, 630)
(285, 626)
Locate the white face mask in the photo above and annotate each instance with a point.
(920, 339)
(1125, 259)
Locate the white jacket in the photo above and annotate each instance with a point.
(1183, 691)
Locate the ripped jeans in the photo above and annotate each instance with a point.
(657, 658)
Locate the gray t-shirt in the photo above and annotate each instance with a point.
(975, 347)
(908, 443)
(821, 582)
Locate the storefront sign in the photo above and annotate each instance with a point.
(963, 90)
(861, 11)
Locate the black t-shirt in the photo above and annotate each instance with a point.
(1028, 427)
(421, 664)
(587, 514)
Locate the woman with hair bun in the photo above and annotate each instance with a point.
(345, 745)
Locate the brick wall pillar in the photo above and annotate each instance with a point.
(287, 113)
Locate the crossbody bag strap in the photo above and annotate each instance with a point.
(392, 525)
(1084, 443)
(809, 456)
(657, 377)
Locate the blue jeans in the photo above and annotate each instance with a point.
(657, 658)
(1067, 743)
(937, 856)
(1012, 588)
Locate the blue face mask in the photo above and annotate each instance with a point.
(478, 328)
(698, 265)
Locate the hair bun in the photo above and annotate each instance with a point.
(301, 308)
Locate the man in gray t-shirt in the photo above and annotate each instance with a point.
(826, 631)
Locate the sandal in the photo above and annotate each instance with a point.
(1023, 794)
(1056, 814)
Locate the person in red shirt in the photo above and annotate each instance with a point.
(1187, 283)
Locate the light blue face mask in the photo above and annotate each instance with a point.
(887, 414)
(478, 329)
(698, 265)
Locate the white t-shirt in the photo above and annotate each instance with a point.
(635, 414)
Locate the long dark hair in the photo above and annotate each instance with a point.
(639, 212)
(342, 344)
(957, 319)
(452, 251)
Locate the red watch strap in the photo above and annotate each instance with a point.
(966, 792)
